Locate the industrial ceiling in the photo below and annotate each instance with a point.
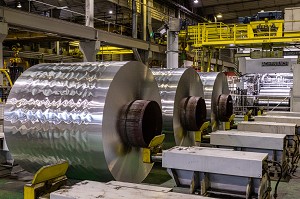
(118, 11)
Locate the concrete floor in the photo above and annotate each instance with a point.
(12, 187)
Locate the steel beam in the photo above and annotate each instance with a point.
(281, 119)
(268, 127)
(16, 18)
(248, 139)
(236, 163)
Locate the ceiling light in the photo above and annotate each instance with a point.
(110, 12)
(196, 1)
(219, 16)
(19, 5)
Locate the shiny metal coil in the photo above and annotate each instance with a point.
(70, 112)
(215, 84)
(175, 86)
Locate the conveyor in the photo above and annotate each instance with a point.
(273, 144)
(221, 172)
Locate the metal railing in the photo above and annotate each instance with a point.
(243, 103)
(220, 34)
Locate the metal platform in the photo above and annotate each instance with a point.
(273, 144)
(283, 113)
(208, 160)
(209, 171)
(268, 127)
(248, 139)
(116, 190)
(280, 119)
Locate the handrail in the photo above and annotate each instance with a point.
(221, 34)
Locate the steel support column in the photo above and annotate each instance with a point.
(89, 13)
(134, 30)
(3, 34)
(172, 49)
(89, 50)
(149, 19)
(144, 19)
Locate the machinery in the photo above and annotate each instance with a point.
(270, 91)
(275, 145)
(93, 115)
(200, 170)
(183, 105)
(106, 121)
(261, 16)
(218, 101)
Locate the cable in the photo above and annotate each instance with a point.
(276, 186)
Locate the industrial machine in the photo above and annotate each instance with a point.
(106, 121)
(261, 16)
(219, 102)
(208, 171)
(183, 105)
(270, 90)
(275, 145)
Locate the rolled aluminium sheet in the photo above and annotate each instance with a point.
(215, 84)
(176, 84)
(71, 112)
(274, 92)
(269, 102)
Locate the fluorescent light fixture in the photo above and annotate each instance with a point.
(219, 16)
(110, 12)
(19, 5)
(196, 1)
